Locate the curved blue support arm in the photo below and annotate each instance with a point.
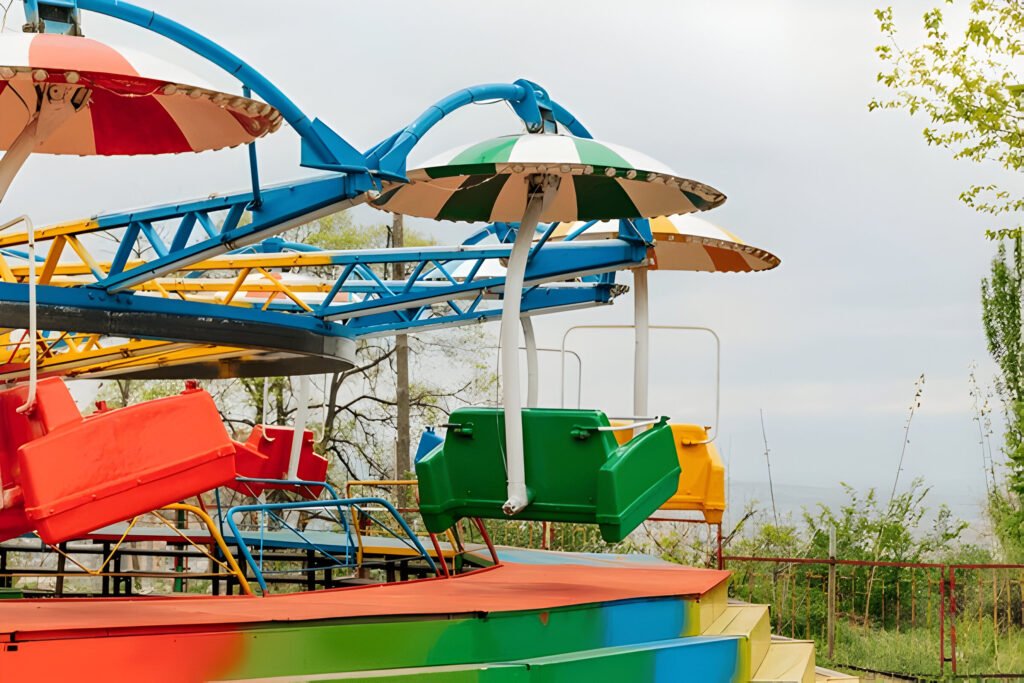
(530, 102)
(321, 147)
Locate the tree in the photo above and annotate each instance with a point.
(965, 84)
(1002, 294)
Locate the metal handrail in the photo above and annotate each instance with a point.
(307, 505)
(713, 432)
(633, 425)
(579, 371)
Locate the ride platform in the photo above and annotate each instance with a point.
(501, 614)
(512, 622)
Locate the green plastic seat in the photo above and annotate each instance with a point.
(574, 473)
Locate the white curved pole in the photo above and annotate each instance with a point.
(642, 333)
(266, 400)
(518, 494)
(17, 154)
(532, 373)
(33, 362)
(718, 365)
(301, 416)
(57, 105)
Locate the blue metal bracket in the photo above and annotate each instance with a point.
(536, 300)
(636, 230)
(53, 16)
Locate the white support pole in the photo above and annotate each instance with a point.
(642, 332)
(518, 495)
(301, 416)
(58, 104)
(7, 496)
(266, 400)
(17, 154)
(532, 373)
(33, 362)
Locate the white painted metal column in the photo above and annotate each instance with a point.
(541, 195)
(642, 334)
(301, 417)
(532, 370)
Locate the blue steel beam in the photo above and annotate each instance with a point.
(536, 300)
(555, 262)
(282, 207)
(95, 310)
(321, 147)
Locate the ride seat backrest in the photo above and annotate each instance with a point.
(563, 452)
(276, 443)
(54, 407)
(266, 455)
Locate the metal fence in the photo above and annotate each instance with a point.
(916, 620)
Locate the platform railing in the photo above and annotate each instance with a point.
(71, 564)
(365, 508)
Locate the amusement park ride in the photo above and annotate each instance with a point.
(313, 588)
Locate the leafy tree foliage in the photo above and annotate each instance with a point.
(1002, 295)
(965, 83)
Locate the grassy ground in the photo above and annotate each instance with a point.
(979, 650)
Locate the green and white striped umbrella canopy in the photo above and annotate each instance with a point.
(487, 181)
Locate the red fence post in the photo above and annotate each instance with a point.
(952, 616)
(942, 624)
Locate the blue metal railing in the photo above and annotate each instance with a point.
(270, 510)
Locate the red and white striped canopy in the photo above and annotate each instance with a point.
(138, 104)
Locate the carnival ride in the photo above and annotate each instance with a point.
(204, 289)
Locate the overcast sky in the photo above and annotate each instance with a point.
(766, 101)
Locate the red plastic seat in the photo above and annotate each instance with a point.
(265, 455)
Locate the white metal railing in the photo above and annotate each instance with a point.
(713, 432)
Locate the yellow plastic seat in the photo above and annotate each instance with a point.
(702, 476)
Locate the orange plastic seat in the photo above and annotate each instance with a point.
(265, 455)
(54, 407)
(702, 481)
(83, 474)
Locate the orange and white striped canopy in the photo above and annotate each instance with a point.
(137, 103)
(685, 242)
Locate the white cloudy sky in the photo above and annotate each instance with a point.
(763, 100)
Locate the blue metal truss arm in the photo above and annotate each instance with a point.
(553, 263)
(530, 102)
(283, 207)
(537, 300)
(321, 147)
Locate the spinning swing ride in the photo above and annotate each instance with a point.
(204, 288)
